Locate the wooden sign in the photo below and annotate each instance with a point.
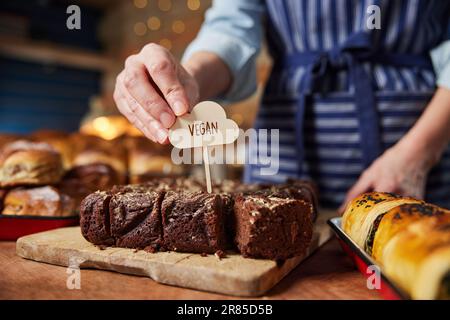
(206, 125)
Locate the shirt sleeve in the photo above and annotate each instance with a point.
(233, 30)
(441, 62)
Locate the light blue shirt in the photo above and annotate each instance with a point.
(233, 30)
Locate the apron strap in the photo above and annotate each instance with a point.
(351, 56)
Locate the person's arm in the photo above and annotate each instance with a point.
(154, 88)
(403, 168)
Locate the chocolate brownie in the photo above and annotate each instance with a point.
(193, 222)
(270, 227)
(94, 218)
(135, 217)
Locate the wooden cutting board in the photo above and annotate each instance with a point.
(232, 275)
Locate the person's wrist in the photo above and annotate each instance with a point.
(425, 153)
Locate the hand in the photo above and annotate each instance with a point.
(153, 89)
(400, 169)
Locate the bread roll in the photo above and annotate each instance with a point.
(418, 258)
(60, 141)
(80, 181)
(147, 159)
(398, 219)
(362, 212)
(95, 150)
(39, 201)
(29, 163)
(6, 138)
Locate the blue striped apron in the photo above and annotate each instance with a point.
(340, 94)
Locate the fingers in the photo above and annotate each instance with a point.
(137, 115)
(137, 84)
(163, 71)
(364, 184)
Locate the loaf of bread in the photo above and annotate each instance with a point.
(178, 215)
(29, 163)
(418, 258)
(38, 201)
(362, 212)
(408, 238)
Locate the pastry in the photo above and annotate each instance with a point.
(387, 225)
(95, 150)
(147, 159)
(80, 181)
(362, 212)
(38, 201)
(29, 163)
(418, 258)
(59, 141)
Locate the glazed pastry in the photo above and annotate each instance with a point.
(29, 163)
(59, 141)
(394, 221)
(39, 201)
(418, 258)
(362, 212)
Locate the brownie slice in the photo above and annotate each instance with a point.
(94, 218)
(193, 222)
(135, 216)
(271, 227)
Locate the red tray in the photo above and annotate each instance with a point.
(388, 290)
(13, 227)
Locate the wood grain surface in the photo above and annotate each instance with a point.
(232, 275)
(327, 274)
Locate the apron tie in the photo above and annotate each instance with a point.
(349, 56)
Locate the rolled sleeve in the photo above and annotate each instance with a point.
(441, 62)
(232, 30)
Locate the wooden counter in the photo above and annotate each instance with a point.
(327, 274)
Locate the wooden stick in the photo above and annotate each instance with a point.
(207, 173)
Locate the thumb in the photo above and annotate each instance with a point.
(363, 184)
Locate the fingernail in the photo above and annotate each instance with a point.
(179, 108)
(166, 119)
(161, 135)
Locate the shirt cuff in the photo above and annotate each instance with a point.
(441, 62)
(239, 56)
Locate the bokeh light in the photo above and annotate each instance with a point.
(166, 43)
(193, 4)
(164, 5)
(178, 26)
(153, 23)
(140, 28)
(140, 3)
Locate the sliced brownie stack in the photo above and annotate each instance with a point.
(261, 221)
